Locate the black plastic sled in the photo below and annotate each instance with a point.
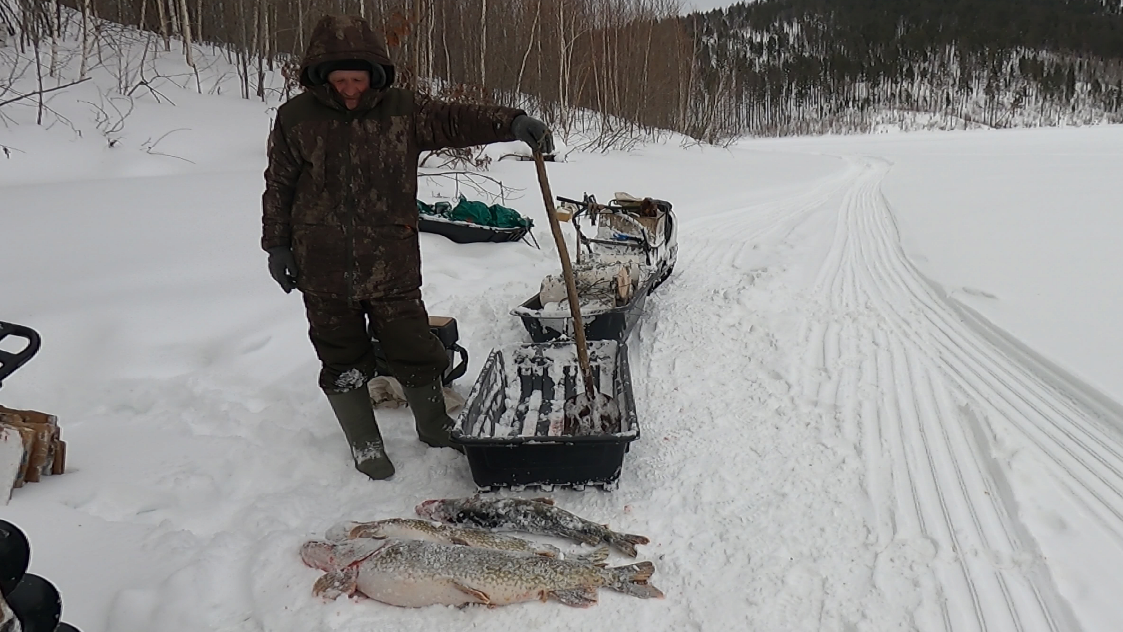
(511, 424)
(615, 323)
(467, 232)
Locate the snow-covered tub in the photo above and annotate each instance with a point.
(511, 425)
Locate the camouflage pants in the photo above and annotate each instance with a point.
(341, 334)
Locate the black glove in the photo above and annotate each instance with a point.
(533, 132)
(282, 265)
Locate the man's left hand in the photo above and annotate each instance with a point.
(533, 132)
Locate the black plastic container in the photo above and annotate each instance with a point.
(519, 447)
(466, 232)
(611, 324)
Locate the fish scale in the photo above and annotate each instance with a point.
(416, 573)
(406, 529)
(538, 516)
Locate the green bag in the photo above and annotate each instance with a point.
(476, 212)
(510, 218)
(473, 212)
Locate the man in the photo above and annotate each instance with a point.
(340, 223)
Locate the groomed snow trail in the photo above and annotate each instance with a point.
(710, 394)
(924, 397)
(884, 403)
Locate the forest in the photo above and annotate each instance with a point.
(634, 69)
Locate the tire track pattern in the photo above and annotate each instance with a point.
(918, 391)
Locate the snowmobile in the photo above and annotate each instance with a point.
(632, 251)
(628, 229)
(28, 602)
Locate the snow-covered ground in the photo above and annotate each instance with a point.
(879, 392)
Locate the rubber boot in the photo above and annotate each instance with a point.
(430, 416)
(356, 416)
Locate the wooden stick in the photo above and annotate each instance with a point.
(567, 272)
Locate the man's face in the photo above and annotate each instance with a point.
(350, 84)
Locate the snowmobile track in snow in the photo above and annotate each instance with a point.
(889, 403)
(923, 395)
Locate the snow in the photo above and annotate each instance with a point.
(880, 390)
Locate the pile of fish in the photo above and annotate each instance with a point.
(457, 558)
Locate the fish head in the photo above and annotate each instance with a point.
(334, 556)
(319, 554)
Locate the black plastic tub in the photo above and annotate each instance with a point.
(466, 232)
(510, 426)
(603, 324)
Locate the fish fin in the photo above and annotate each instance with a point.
(626, 542)
(546, 550)
(595, 558)
(543, 500)
(458, 540)
(632, 580)
(341, 531)
(577, 598)
(479, 595)
(332, 585)
(365, 530)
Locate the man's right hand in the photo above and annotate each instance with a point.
(282, 266)
(533, 132)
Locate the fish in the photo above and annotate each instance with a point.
(407, 529)
(538, 516)
(419, 573)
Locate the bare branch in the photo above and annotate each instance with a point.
(42, 92)
(150, 145)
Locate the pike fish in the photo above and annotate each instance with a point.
(417, 573)
(407, 529)
(538, 516)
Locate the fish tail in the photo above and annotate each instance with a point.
(632, 580)
(595, 558)
(626, 542)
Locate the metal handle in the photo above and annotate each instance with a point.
(9, 361)
(460, 369)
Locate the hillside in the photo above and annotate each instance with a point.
(810, 66)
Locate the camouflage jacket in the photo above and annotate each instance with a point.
(341, 185)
